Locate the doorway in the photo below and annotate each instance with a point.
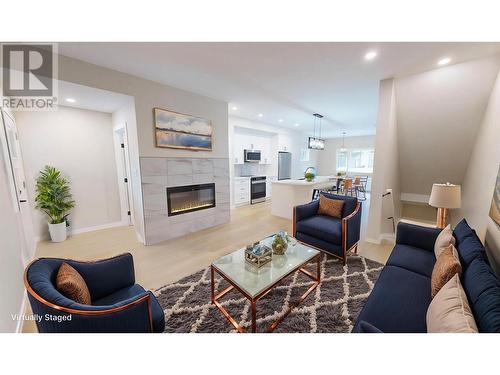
(123, 173)
(17, 181)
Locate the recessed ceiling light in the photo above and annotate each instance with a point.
(70, 100)
(260, 115)
(234, 108)
(370, 55)
(444, 61)
(280, 120)
(296, 124)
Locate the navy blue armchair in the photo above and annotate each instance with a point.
(118, 303)
(336, 236)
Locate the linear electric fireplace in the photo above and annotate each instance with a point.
(183, 199)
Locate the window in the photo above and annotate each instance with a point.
(341, 161)
(355, 160)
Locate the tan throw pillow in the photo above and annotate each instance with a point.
(447, 265)
(444, 239)
(449, 311)
(330, 207)
(70, 283)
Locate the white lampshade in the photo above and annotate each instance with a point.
(445, 196)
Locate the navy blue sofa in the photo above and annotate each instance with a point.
(402, 293)
(335, 236)
(118, 303)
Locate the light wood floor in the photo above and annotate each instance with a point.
(169, 261)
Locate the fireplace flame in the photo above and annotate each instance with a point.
(188, 206)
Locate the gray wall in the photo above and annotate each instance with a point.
(480, 178)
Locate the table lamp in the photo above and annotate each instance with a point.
(444, 197)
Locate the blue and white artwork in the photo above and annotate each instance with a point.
(177, 130)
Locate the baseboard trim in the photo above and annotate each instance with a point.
(20, 322)
(384, 237)
(97, 227)
(87, 229)
(373, 240)
(139, 238)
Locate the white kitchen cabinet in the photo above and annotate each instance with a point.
(238, 156)
(269, 185)
(265, 148)
(241, 190)
(284, 143)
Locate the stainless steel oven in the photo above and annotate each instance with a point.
(257, 189)
(252, 156)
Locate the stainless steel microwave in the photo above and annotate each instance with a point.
(252, 156)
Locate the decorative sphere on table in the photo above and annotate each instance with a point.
(280, 243)
(310, 173)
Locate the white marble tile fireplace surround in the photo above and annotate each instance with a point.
(159, 173)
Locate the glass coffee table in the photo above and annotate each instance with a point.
(255, 283)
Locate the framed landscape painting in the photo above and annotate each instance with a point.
(495, 202)
(177, 130)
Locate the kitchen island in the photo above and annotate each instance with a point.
(290, 193)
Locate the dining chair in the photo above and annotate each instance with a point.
(361, 187)
(349, 187)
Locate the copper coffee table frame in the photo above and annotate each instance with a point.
(253, 300)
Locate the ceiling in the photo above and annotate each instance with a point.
(282, 81)
(90, 98)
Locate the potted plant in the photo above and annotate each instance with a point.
(53, 196)
(309, 176)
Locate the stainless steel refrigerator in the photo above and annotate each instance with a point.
(284, 165)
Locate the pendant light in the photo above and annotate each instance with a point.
(343, 148)
(317, 143)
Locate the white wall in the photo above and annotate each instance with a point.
(386, 167)
(439, 113)
(327, 159)
(79, 143)
(11, 263)
(480, 177)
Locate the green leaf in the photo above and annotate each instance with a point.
(53, 195)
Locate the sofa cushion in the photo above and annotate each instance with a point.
(398, 302)
(330, 207)
(443, 240)
(365, 327)
(323, 227)
(446, 266)
(349, 202)
(483, 291)
(470, 248)
(413, 259)
(332, 248)
(70, 283)
(462, 230)
(449, 311)
(121, 295)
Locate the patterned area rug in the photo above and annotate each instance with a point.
(332, 307)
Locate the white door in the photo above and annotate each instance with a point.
(13, 158)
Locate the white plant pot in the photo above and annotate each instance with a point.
(57, 232)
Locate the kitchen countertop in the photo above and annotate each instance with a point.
(316, 181)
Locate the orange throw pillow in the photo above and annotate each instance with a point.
(70, 283)
(446, 266)
(330, 207)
